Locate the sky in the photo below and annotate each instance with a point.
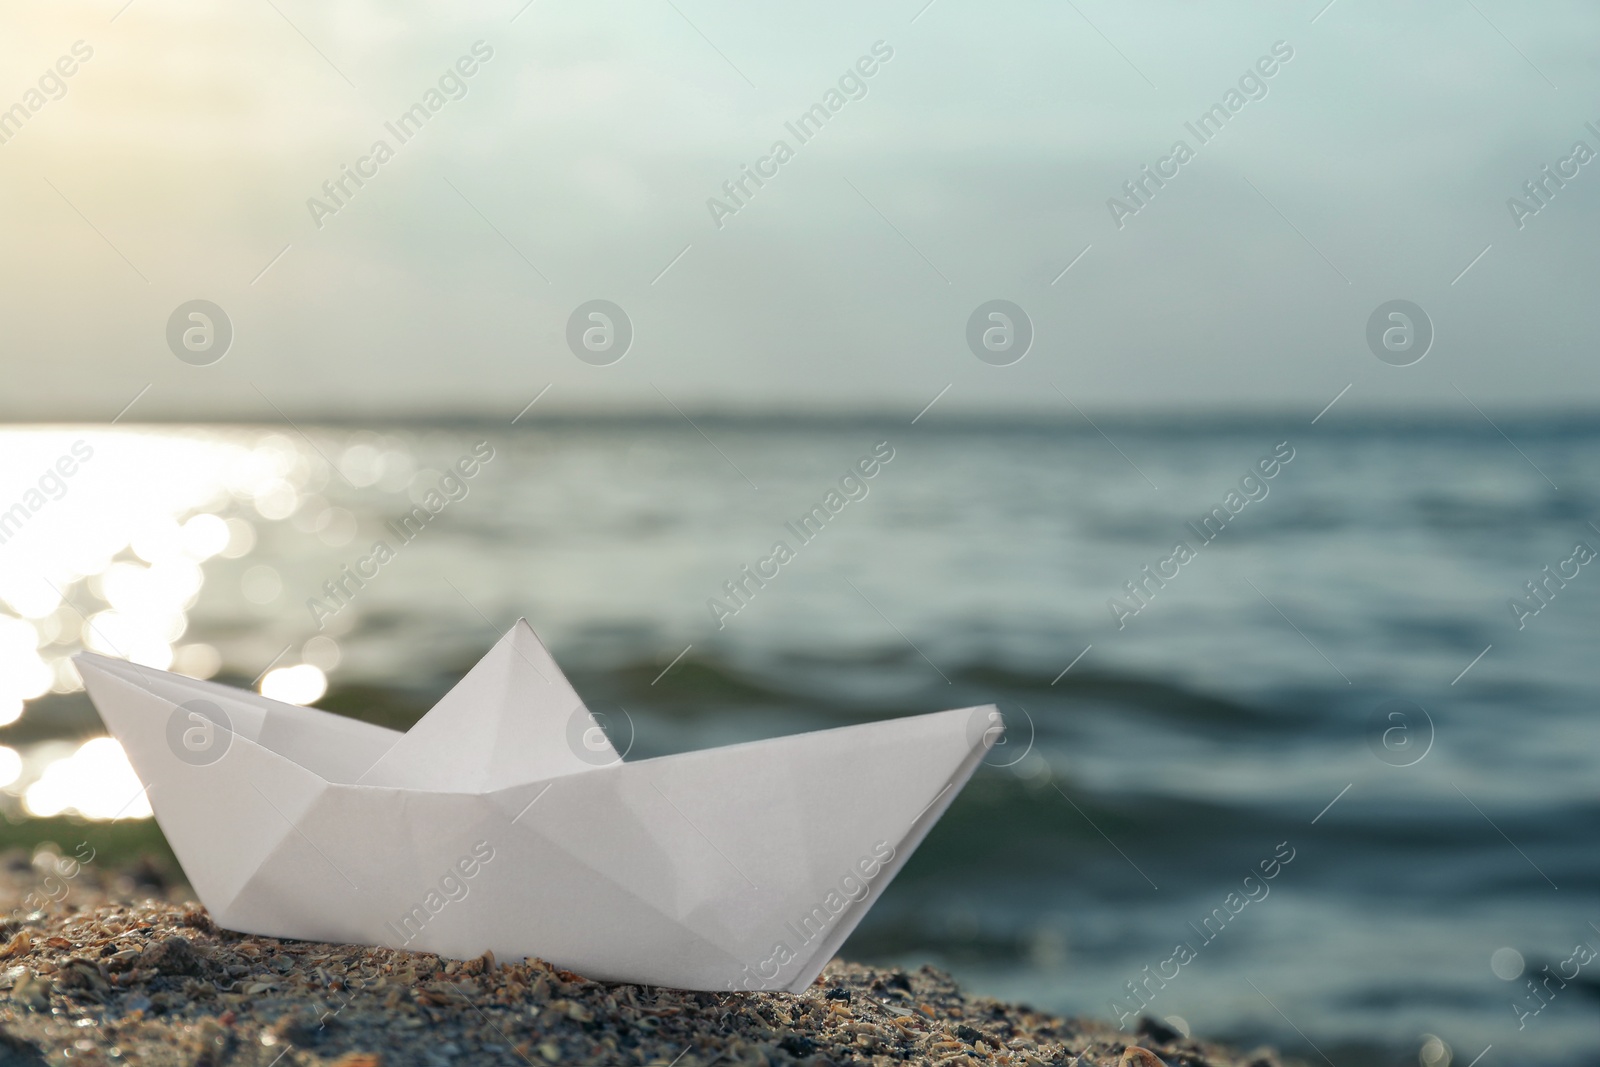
(983, 158)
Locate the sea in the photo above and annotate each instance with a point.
(1302, 743)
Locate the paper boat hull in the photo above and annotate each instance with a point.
(741, 867)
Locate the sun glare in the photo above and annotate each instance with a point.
(96, 782)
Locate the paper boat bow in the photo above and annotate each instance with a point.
(504, 820)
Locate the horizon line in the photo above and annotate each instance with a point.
(1032, 418)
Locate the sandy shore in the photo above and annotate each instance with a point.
(114, 968)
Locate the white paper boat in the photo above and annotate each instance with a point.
(504, 820)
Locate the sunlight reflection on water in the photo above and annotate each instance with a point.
(96, 781)
(104, 538)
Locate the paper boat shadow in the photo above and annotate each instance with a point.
(503, 820)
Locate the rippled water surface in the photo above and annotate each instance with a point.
(1334, 687)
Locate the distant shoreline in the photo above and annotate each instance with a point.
(1352, 420)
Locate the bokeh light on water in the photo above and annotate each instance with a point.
(301, 684)
(112, 558)
(95, 781)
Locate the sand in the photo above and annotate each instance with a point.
(121, 967)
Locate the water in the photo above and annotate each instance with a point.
(1242, 715)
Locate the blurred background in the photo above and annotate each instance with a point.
(243, 340)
